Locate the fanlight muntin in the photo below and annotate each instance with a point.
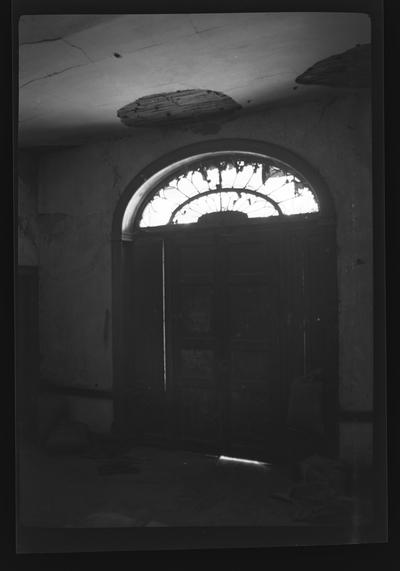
(258, 186)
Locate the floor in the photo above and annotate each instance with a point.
(150, 487)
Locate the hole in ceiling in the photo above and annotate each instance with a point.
(351, 68)
(187, 104)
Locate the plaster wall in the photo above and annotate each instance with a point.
(27, 228)
(79, 189)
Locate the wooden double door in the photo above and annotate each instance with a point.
(221, 321)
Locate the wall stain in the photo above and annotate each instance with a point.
(26, 226)
(52, 226)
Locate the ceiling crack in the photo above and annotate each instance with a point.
(144, 48)
(194, 27)
(51, 74)
(77, 48)
(326, 106)
(58, 39)
(210, 29)
(40, 41)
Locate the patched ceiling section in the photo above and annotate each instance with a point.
(85, 77)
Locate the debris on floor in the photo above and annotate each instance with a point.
(107, 448)
(110, 519)
(320, 469)
(334, 511)
(122, 465)
(68, 437)
(172, 488)
(320, 496)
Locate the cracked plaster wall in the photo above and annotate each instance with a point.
(79, 190)
(27, 229)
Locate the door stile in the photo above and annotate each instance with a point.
(169, 261)
(172, 270)
(223, 368)
(283, 301)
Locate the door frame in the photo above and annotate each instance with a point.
(123, 232)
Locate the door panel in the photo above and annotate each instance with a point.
(252, 312)
(144, 391)
(321, 330)
(196, 259)
(192, 380)
(293, 288)
(197, 364)
(196, 308)
(199, 417)
(253, 341)
(254, 439)
(245, 259)
(248, 310)
(253, 365)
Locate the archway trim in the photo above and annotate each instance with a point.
(138, 190)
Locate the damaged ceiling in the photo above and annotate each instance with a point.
(89, 76)
(181, 105)
(351, 69)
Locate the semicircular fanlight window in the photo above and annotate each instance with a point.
(253, 186)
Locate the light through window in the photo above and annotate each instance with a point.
(255, 187)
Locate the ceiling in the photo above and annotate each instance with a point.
(77, 71)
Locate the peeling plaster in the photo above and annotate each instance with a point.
(182, 105)
(171, 52)
(28, 230)
(27, 226)
(52, 225)
(351, 69)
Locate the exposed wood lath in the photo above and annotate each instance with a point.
(188, 104)
(351, 68)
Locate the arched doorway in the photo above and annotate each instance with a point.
(224, 293)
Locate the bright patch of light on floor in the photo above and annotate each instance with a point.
(243, 461)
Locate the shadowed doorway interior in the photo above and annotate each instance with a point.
(224, 295)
